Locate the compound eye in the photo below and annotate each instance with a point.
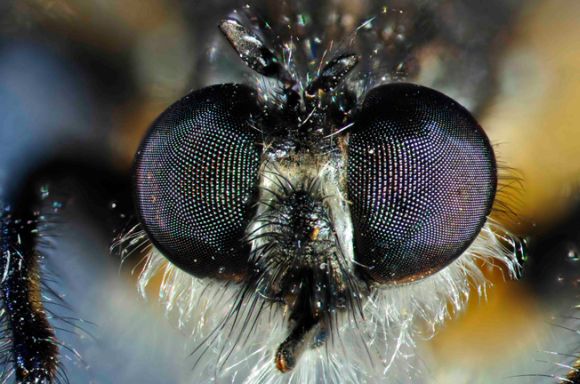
(422, 179)
(195, 180)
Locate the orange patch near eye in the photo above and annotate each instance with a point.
(315, 233)
(281, 363)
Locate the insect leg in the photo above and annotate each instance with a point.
(35, 353)
(32, 343)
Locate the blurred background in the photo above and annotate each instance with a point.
(87, 77)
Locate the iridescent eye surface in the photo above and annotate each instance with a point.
(421, 179)
(196, 177)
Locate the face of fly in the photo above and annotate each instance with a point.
(308, 197)
(300, 261)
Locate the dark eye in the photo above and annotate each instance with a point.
(195, 180)
(421, 179)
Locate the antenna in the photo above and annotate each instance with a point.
(254, 52)
(333, 73)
